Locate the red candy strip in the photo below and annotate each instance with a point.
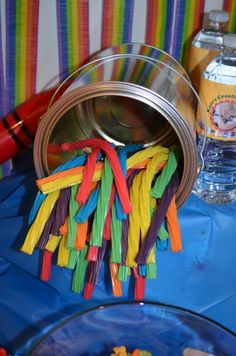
(140, 283)
(46, 266)
(114, 162)
(89, 168)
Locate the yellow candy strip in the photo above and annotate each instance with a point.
(52, 243)
(134, 222)
(63, 253)
(74, 176)
(37, 227)
(144, 154)
(145, 196)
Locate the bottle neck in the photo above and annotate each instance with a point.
(229, 52)
(216, 26)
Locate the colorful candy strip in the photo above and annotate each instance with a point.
(61, 211)
(140, 283)
(93, 272)
(92, 253)
(81, 234)
(35, 208)
(145, 198)
(46, 265)
(151, 270)
(116, 284)
(52, 243)
(123, 272)
(37, 227)
(162, 233)
(73, 259)
(134, 222)
(74, 162)
(63, 253)
(173, 227)
(75, 175)
(66, 179)
(89, 207)
(162, 244)
(47, 230)
(107, 226)
(89, 168)
(158, 219)
(72, 224)
(114, 162)
(102, 206)
(64, 228)
(80, 271)
(144, 154)
(166, 174)
(122, 155)
(116, 233)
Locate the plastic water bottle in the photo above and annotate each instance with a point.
(207, 44)
(217, 181)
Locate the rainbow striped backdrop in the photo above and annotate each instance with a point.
(80, 31)
(230, 6)
(21, 50)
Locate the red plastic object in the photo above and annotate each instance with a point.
(18, 128)
(3, 352)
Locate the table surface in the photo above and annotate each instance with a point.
(201, 278)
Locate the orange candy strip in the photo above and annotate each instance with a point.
(173, 227)
(116, 284)
(64, 228)
(81, 234)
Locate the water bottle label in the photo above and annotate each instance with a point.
(219, 103)
(198, 60)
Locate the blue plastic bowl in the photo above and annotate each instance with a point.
(162, 330)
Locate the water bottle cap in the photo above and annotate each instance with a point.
(218, 16)
(229, 40)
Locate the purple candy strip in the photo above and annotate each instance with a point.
(94, 267)
(47, 230)
(61, 211)
(158, 218)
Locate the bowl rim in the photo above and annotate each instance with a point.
(170, 307)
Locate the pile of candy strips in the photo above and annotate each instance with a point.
(108, 204)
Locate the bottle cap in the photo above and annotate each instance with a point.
(218, 16)
(229, 40)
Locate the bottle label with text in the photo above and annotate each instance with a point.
(219, 104)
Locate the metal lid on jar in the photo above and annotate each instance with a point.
(218, 16)
(229, 40)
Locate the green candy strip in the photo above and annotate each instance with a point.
(164, 178)
(102, 206)
(72, 224)
(123, 273)
(80, 271)
(72, 259)
(162, 233)
(116, 235)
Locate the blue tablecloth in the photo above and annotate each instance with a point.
(202, 278)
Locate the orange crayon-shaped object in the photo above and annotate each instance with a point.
(18, 128)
